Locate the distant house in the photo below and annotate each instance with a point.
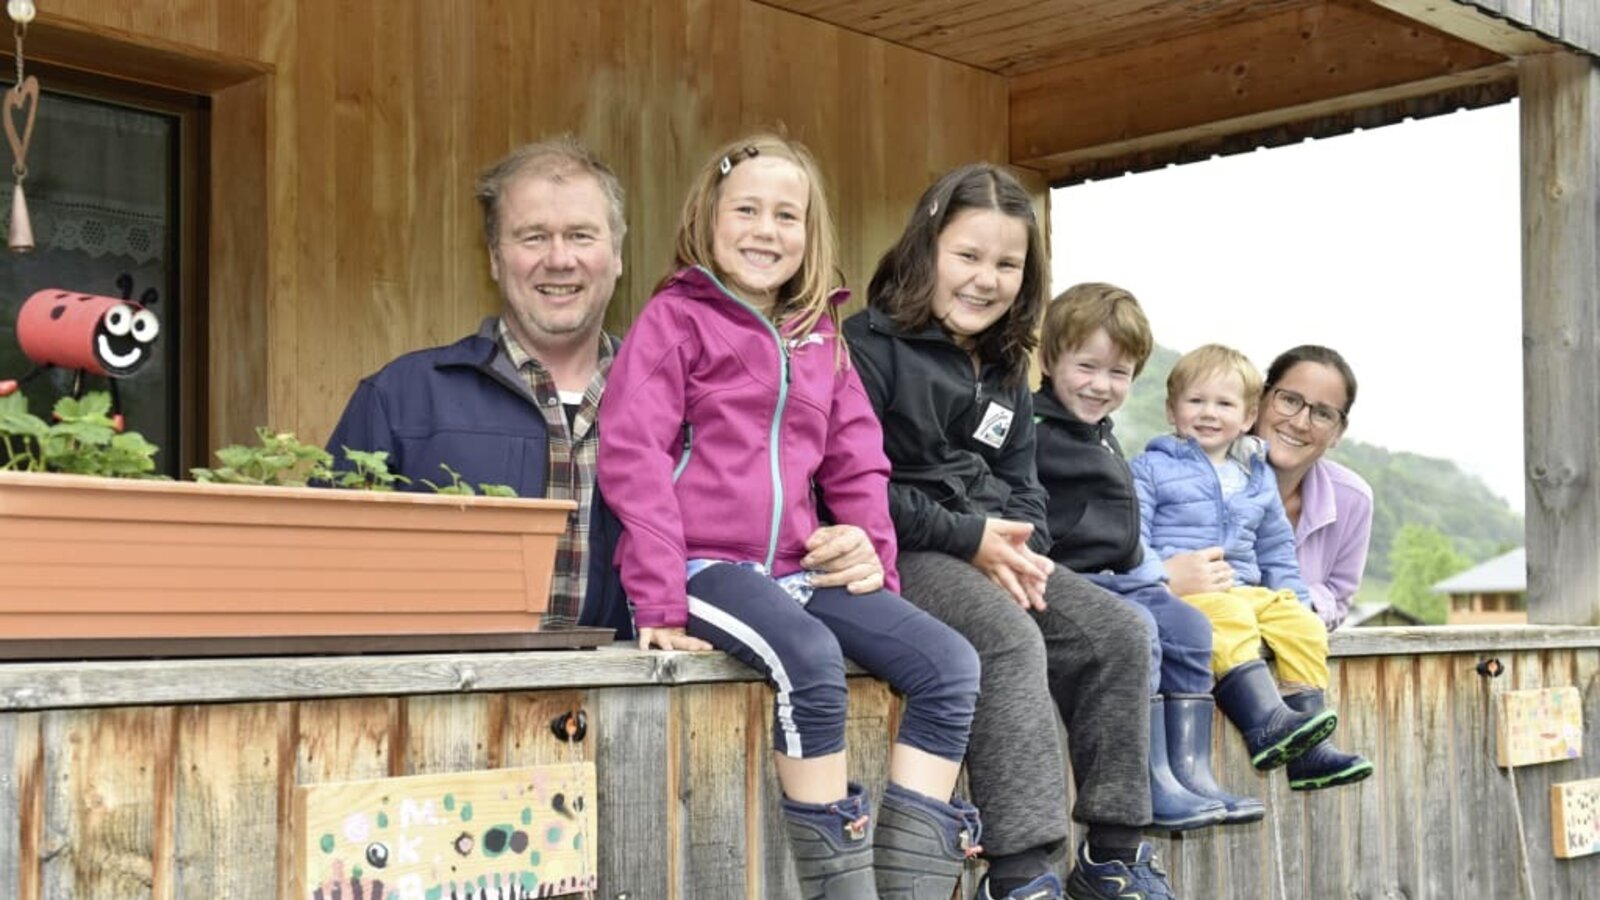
(1494, 592)
(1370, 615)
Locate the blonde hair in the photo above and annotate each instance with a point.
(1211, 361)
(1072, 317)
(803, 299)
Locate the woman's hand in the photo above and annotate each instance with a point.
(1198, 572)
(842, 556)
(1004, 556)
(669, 639)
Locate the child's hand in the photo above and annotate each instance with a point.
(1004, 557)
(842, 556)
(1198, 572)
(669, 639)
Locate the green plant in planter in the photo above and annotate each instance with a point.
(283, 459)
(82, 440)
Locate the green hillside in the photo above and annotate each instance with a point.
(1406, 487)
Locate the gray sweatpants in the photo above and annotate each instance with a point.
(1089, 651)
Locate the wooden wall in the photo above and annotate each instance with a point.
(347, 233)
(187, 800)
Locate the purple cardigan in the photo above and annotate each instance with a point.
(1331, 537)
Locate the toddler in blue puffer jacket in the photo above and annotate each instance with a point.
(1209, 485)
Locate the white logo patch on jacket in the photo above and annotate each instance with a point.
(994, 426)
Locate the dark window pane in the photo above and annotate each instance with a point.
(102, 190)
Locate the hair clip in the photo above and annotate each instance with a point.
(732, 159)
(933, 209)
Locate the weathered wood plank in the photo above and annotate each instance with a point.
(225, 796)
(442, 734)
(10, 805)
(25, 766)
(1437, 776)
(715, 722)
(1560, 112)
(25, 686)
(776, 874)
(1473, 819)
(1469, 24)
(1395, 759)
(634, 730)
(101, 769)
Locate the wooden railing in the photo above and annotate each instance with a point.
(170, 778)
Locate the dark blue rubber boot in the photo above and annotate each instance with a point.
(832, 847)
(1324, 765)
(1173, 806)
(1189, 754)
(922, 844)
(1275, 734)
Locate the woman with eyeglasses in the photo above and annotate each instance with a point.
(1306, 405)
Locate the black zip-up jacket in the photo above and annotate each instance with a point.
(946, 481)
(1094, 509)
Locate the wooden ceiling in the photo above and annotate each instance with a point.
(1009, 37)
(1102, 87)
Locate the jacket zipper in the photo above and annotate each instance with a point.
(777, 417)
(688, 448)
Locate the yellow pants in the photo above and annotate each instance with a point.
(1243, 617)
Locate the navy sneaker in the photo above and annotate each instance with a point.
(1045, 887)
(1117, 880)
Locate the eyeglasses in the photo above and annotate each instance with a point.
(1288, 404)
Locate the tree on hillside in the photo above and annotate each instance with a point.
(1420, 557)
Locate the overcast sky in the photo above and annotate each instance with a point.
(1399, 247)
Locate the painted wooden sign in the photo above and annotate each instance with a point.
(1575, 818)
(503, 834)
(1540, 726)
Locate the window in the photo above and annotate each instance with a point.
(114, 189)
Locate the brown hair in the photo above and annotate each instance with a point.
(803, 299)
(907, 275)
(1314, 353)
(1072, 317)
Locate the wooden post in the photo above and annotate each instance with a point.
(1560, 323)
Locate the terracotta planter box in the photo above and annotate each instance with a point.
(95, 558)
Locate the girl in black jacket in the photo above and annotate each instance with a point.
(943, 353)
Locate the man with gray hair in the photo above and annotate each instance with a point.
(516, 402)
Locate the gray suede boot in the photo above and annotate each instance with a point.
(922, 844)
(832, 850)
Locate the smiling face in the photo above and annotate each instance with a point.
(759, 235)
(1295, 442)
(1212, 410)
(981, 257)
(124, 337)
(1092, 380)
(556, 260)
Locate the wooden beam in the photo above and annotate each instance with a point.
(1471, 24)
(150, 59)
(1274, 70)
(1560, 326)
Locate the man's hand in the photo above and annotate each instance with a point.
(669, 639)
(842, 556)
(1004, 557)
(1198, 572)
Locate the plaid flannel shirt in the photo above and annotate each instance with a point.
(571, 468)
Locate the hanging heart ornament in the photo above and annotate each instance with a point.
(24, 99)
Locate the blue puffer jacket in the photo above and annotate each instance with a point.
(1181, 509)
(463, 404)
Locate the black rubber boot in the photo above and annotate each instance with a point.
(1173, 806)
(1275, 734)
(1189, 754)
(922, 844)
(1324, 765)
(832, 847)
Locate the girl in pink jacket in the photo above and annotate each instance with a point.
(732, 418)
